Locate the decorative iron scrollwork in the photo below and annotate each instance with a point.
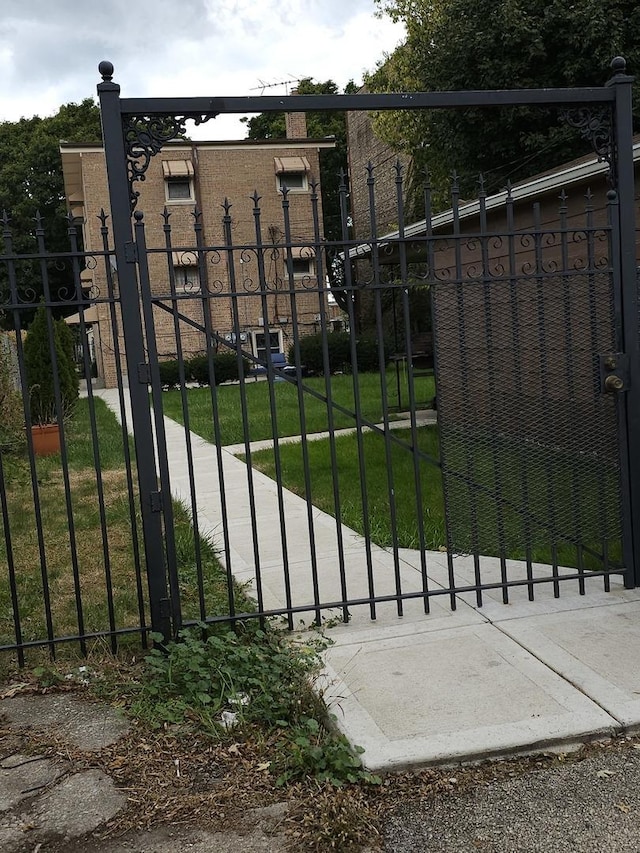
(144, 137)
(596, 126)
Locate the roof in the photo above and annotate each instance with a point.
(574, 172)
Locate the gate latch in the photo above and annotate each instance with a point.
(614, 372)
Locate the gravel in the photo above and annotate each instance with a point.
(579, 806)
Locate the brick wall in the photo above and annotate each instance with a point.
(238, 300)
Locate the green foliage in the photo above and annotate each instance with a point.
(196, 369)
(39, 368)
(31, 180)
(225, 367)
(12, 435)
(467, 44)
(339, 352)
(260, 677)
(169, 372)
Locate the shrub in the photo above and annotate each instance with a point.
(339, 350)
(39, 369)
(169, 372)
(311, 352)
(12, 435)
(225, 366)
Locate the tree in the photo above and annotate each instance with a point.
(31, 181)
(496, 44)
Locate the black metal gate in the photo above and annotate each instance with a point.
(535, 339)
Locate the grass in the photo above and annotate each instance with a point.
(566, 498)
(377, 492)
(259, 425)
(118, 575)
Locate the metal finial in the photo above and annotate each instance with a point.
(619, 65)
(256, 199)
(138, 216)
(106, 70)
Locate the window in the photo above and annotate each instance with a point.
(185, 271)
(179, 190)
(301, 266)
(293, 181)
(266, 342)
(292, 172)
(178, 180)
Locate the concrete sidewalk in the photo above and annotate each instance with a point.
(450, 686)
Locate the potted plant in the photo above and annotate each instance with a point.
(45, 417)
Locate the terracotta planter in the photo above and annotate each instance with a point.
(46, 439)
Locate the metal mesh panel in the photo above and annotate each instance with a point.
(529, 451)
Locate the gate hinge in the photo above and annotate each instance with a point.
(614, 372)
(144, 373)
(156, 501)
(130, 252)
(165, 608)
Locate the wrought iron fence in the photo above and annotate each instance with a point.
(384, 423)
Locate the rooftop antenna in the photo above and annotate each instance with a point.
(285, 83)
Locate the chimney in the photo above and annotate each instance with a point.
(296, 123)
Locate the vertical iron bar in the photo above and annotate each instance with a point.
(262, 280)
(11, 569)
(233, 288)
(166, 227)
(464, 361)
(520, 390)
(116, 161)
(57, 393)
(33, 472)
(492, 376)
(576, 509)
(326, 365)
(158, 417)
(594, 330)
(382, 367)
(73, 240)
(544, 376)
(625, 184)
(303, 420)
(217, 436)
(131, 498)
(350, 290)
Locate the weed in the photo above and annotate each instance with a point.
(254, 681)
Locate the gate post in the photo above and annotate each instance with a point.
(623, 165)
(119, 194)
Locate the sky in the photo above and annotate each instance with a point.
(50, 49)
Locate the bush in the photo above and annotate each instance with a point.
(169, 372)
(225, 367)
(339, 350)
(12, 435)
(39, 369)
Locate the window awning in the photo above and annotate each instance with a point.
(184, 259)
(306, 252)
(177, 168)
(291, 164)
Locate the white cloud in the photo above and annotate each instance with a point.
(49, 52)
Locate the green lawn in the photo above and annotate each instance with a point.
(97, 577)
(285, 396)
(566, 499)
(376, 479)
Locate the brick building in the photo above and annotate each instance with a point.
(188, 174)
